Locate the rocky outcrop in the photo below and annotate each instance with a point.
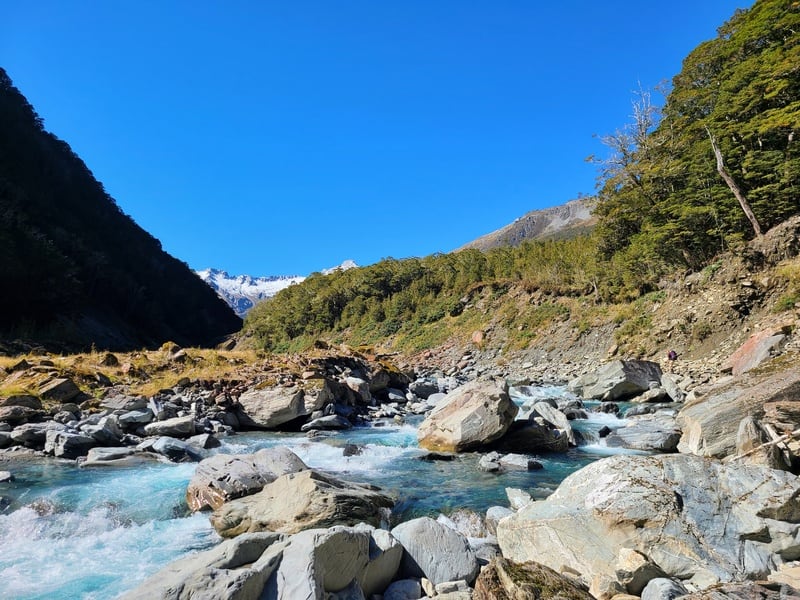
(470, 417)
(302, 500)
(271, 407)
(435, 551)
(503, 579)
(224, 477)
(690, 517)
(618, 380)
(710, 423)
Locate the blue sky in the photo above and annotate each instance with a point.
(278, 138)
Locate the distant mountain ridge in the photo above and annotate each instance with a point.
(565, 220)
(76, 271)
(242, 292)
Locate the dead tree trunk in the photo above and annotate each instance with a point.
(737, 191)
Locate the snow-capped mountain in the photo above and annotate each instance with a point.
(348, 264)
(241, 292)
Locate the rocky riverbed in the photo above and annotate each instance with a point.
(696, 501)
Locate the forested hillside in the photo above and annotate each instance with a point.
(663, 208)
(74, 269)
(663, 202)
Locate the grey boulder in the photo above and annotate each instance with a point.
(693, 517)
(302, 500)
(225, 477)
(470, 417)
(435, 551)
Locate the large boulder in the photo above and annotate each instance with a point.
(59, 390)
(179, 427)
(67, 444)
(302, 500)
(271, 407)
(470, 417)
(175, 450)
(225, 477)
(435, 551)
(690, 517)
(710, 423)
(556, 418)
(21, 400)
(532, 437)
(235, 570)
(503, 579)
(319, 563)
(618, 380)
(757, 349)
(15, 414)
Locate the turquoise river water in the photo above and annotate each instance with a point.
(68, 532)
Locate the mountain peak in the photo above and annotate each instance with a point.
(564, 220)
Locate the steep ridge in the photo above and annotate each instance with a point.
(566, 220)
(76, 270)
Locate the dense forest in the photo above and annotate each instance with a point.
(663, 205)
(77, 271)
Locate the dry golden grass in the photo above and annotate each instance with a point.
(144, 372)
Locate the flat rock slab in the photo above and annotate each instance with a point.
(710, 423)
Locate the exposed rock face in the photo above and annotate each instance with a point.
(710, 424)
(618, 379)
(503, 579)
(224, 477)
(757, 349)
(320, 561)
(689, 516)
(271, 408)
(470, 417)
(435, 551)
(302, 500)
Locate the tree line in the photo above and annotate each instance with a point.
(711, 168)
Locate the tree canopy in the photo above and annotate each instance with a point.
(667, 205)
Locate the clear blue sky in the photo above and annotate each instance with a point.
(276, 138)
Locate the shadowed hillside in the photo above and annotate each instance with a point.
(77, 271)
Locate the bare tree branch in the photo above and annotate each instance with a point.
(737, 191)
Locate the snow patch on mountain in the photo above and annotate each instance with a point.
(242, 292)
(348, 264)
